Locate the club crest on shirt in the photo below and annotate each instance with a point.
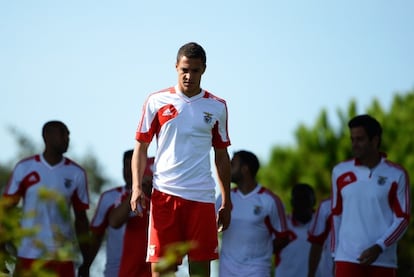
(257, 210)
(208, 117)
(381, 180)
(151, 250)
(68, 183)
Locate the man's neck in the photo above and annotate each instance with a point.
(247, 187)
(52, 158)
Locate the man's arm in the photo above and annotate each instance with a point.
(120, 214)
(314, 258)
(223, 166)
(401, 215)
(138, 164)
(83, 237)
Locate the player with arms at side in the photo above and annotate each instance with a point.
(187, 122)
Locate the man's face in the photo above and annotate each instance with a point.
(362, 146)
(58, 139)
(189, 75)
(236, 174)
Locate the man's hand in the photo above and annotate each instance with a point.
(223, 218)
(369, 255)
(138, 201)
(83, 270)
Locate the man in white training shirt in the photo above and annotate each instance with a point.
(187, 122)
(50, 185)
(320, 262)
(258, 216)
(100, 223)
(370, 205)
(292, 260)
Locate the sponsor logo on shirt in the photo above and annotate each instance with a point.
(167, 112)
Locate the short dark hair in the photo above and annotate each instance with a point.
(301, 190)
(192, 50)
(128, 155)
(53, 124)
(369, 123)
(249, 159)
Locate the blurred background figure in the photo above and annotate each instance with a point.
(134, 252)
(257, 217)
(320, 256)
(371, 205)
(292, 261)
(50, 184)
(100, 222)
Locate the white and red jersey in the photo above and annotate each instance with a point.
(100, 224)
(247, 245)
(370, 206)
(185, 129)
(292, 261)
(48, 192)
(319, 233)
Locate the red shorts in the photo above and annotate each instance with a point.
(176, 222)
(346, 269)
(59, 268)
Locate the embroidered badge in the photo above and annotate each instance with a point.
(257, 210)
(381, 180)
(68, 183)
(208, 117)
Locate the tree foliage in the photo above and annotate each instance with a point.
(318, 148)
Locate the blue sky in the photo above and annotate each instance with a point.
(277, 63)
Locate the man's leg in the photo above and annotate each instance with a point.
(199, 269)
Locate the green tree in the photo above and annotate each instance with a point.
(318, 148)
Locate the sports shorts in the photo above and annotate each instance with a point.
(37, 267)
(346, 269)
(179, 226)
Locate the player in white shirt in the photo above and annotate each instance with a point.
(320, 257)
(50, 185)
(114, 237)
(292, 260)
(100, 221)
(370, 205)
(258, 216)
(187, 122)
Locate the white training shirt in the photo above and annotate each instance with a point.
(185, 129)
(247, 245)
(115, 237)
(370, 206)
(48, 194)
(293, 259)
(319, 233)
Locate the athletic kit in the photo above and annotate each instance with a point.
(370, 206)
(100, 224)
(319, 233)
(185, 128)
(247, 245)
(292, 261)
(49, 192)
